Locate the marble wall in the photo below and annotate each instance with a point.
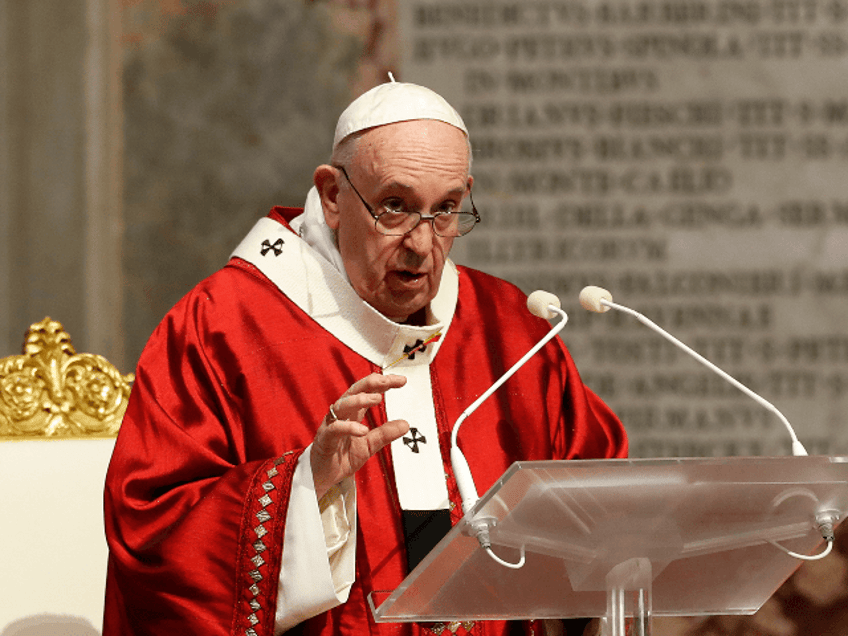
(60, 140)
(228, 107)
(43, 150)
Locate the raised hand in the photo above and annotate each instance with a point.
(341, 446)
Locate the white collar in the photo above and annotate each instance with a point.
(312, 228)
(315, 284)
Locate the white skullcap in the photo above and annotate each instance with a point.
(392, 102)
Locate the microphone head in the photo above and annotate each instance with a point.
(591, 297)
(538, 302)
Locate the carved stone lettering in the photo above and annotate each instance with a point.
(689, 156)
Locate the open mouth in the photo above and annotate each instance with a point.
(410, 276)
(408, 279)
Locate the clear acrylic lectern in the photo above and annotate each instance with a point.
(626, 537)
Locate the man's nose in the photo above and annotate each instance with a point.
(420, 240)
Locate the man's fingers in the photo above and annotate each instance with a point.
(352, 407)
(377, 437)
(343, 443)
(376, 383)
(386, 434)
(364, 394)
(330, 434)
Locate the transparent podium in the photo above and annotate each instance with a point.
(619, 538)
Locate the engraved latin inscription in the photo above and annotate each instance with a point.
(688, 155)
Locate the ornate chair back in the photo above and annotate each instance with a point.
(59, 414)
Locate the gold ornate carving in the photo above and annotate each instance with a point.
(53, 391)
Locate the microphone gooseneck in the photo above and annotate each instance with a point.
(599, 300)
(539, 303)
(544, 305)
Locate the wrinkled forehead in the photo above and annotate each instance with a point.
(391, 103)
(416, 148)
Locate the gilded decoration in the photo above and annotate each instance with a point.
(52, 391)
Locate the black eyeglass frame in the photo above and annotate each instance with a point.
(421, 217)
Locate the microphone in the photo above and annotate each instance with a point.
(591, 297)
(544, 305)
(599, 300)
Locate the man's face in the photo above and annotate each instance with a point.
(424, 165)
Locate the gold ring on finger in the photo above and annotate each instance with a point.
(333, 416)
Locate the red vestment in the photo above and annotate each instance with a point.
(231, 388)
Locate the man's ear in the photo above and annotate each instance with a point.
(326, 180)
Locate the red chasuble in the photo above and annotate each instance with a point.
(229, 391)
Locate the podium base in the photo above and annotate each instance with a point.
(629, 592)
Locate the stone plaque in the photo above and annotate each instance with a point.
(691, 156)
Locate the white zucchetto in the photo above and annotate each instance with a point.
(392, 102)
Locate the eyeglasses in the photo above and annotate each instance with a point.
(398, 220)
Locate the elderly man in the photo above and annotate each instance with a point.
(284, 452)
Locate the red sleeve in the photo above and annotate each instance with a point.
(194, 527)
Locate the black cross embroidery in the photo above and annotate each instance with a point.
(413, 349)
(277, 247)
(412, 442)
